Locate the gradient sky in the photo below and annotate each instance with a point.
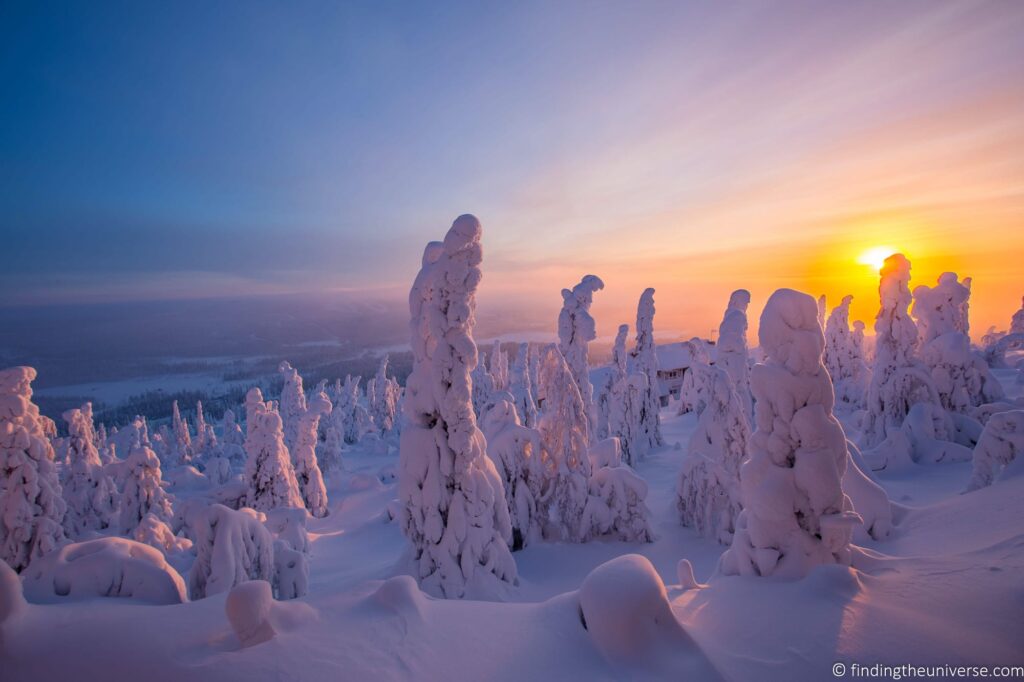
(166, 149)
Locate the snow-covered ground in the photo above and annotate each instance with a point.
(944, 589)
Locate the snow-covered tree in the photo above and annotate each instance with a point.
(90, 494)
(565, 440)
(453, 502)
(844, 356)
(625, 415)
(232, 441)
(499, 367)
(732, 347)
(696, 385)
(31, 506)
(708, 491)
(201, 442)
(521, 387)
(898, 379)
(181, 450)
(346, 405)
(606, 385)
(1001, 442)
(821, 311)
(383, 399)
(644, 359)
(231, 548)
(293, 403)
(307, 471)
(795, 514)
(269, 474)
(576, 329)
(961, 376)
(142, 493)
(483, 387)
(515, 451)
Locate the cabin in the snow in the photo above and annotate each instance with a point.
(673, 361)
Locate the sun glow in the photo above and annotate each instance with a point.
(875, 256)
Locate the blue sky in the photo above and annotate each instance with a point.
(180, 149)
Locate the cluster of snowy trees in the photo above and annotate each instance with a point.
(224, 503)
(495, 458)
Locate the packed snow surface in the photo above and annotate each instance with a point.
(943, 587)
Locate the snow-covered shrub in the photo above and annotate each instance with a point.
(644, 359)
(291, 572)
(708, 491)
(1001, 442)
(90, 494)
(231, 547)
(105, 567)
(795, 514)
(142, 493)
(454, 511)
(155, 532)
(576, 329)
(12, 597)
(844, 356)
(616, 506)
(564, 441)
(521, 387)
(898, 379)
(307, 472)
(269, 474)
(31, 506)
(515, 451)
(732, 355)
(293, 403)
(625, 610)
(248, 608)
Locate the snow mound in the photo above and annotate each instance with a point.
(625, 609)
(12, 599)
(291, 571)
(106, 567)
(401, 595)
(248, 608)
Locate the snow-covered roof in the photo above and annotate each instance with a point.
(673, 355)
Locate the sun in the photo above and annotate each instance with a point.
(875, 256)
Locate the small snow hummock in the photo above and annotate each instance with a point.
(576, 329)
(708, 492)
(1001, 443)
(625, 610)
(31, 507)
(454, 511)
(269, 473)
(795, 514)
(105, 567)
(231, 547)
(248, 607)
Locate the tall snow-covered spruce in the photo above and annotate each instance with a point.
(795, 514)
(31, 506)
(90, 494)
(576, 329)
(269, 473)
(307, 470)
(844, 356)
(645, 360)
(454, 510)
